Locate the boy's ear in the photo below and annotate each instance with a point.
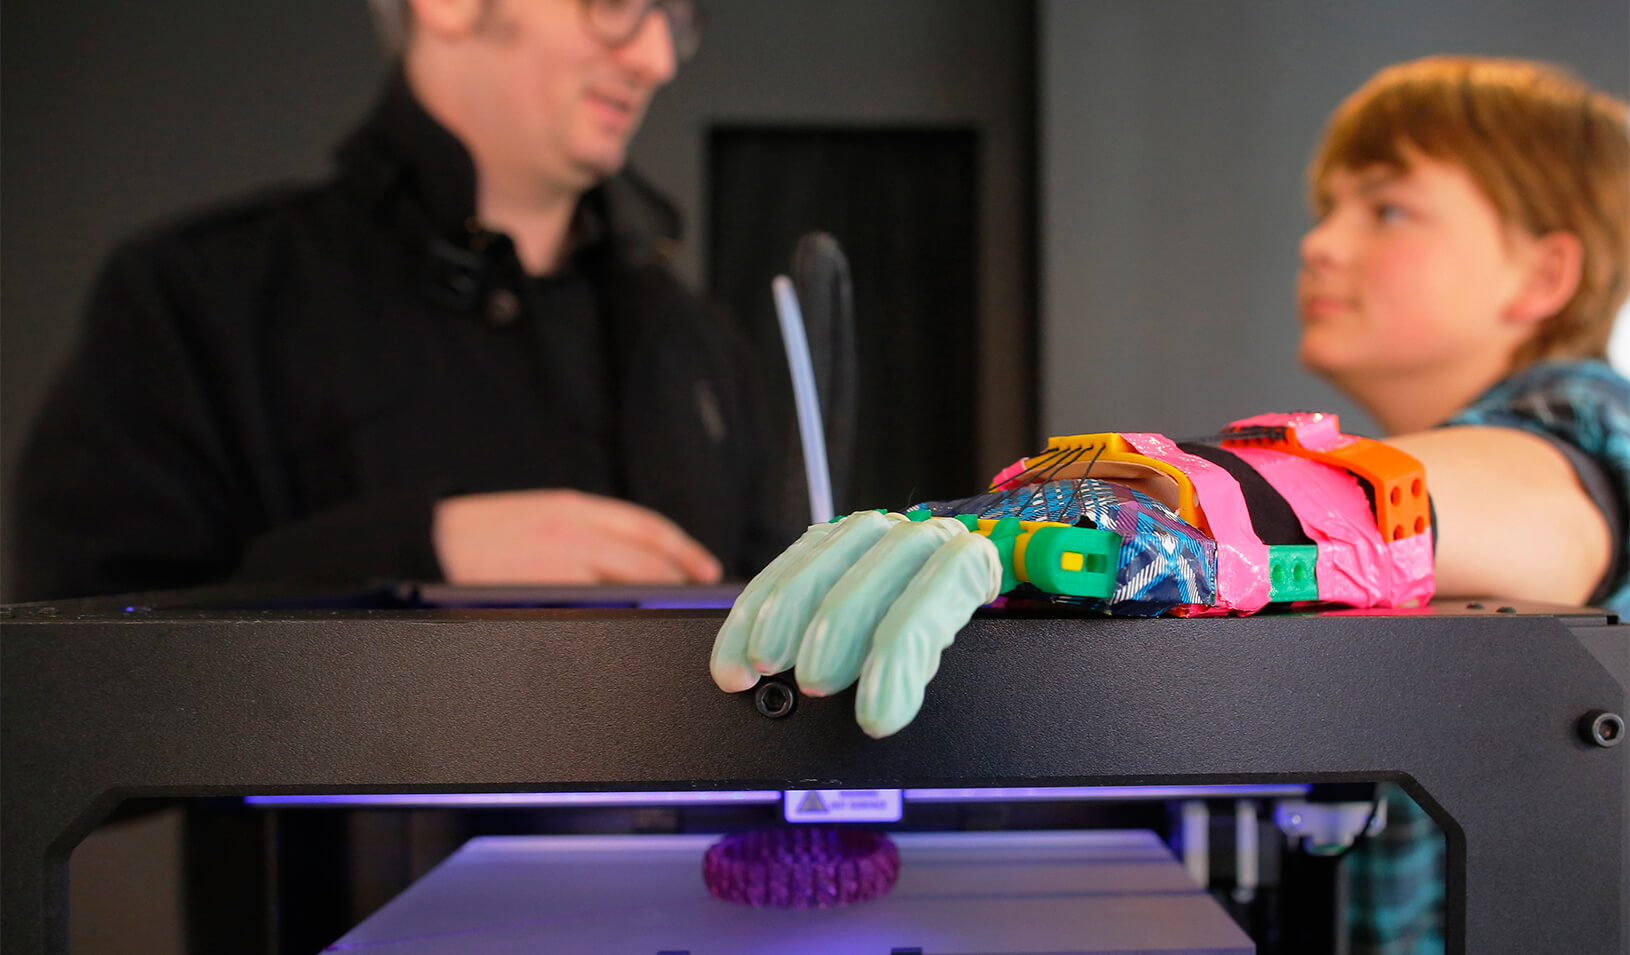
(1555, 262)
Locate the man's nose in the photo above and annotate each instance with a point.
(650, 54)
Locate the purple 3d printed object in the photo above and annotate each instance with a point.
(805, 868)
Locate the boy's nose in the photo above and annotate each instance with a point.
(1320, 246)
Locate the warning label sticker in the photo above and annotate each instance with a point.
(842, 805)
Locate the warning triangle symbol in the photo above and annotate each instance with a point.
(812, 802)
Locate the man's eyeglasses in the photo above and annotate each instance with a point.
(615, 22)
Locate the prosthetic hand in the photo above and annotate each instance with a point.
(1279, 509)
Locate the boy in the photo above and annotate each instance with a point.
(1461, 283)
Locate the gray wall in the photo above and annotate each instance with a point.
(117, 115)
(1174, 135)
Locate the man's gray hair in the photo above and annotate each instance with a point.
(394, 21)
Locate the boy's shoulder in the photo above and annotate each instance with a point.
(1566, 373)
(1567, 388)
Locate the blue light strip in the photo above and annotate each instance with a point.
(1109, 793)
(745, 797)
(520, 800)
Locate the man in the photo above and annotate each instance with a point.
(462, 357)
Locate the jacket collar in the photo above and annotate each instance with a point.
(406, 166)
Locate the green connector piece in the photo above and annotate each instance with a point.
(1074, 561)
(1004, 535)
(970, 521)
(921, 514)
(1293, 572)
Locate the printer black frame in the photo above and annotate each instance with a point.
(1478, 713)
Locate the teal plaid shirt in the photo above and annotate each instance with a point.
(1395, 883)
(1396, 877)
(1585, 403)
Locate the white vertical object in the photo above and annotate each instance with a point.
(806, 400)
(1196, 829)
(1246, 857)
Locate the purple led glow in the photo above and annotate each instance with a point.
(1109, 793)
(518, 800)
(817, 867)
(993, 794)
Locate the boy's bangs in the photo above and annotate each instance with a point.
(1377, 129)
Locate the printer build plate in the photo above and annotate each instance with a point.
(966, 892)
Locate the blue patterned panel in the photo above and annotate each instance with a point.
(1165, 561)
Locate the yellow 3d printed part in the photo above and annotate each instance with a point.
(1109, 456)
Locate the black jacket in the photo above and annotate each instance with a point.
(280, 390)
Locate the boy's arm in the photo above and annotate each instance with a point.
(1512, 517)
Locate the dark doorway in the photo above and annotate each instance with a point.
(904, 205)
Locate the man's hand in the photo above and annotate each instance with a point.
(563, 537)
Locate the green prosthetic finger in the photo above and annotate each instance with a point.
(779, 625)
(729, 665)
(962, 575)
(838, 637)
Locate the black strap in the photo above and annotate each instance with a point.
(1272, 517)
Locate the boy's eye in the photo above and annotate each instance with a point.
(1389, 212)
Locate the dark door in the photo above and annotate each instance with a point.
(903, 203)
